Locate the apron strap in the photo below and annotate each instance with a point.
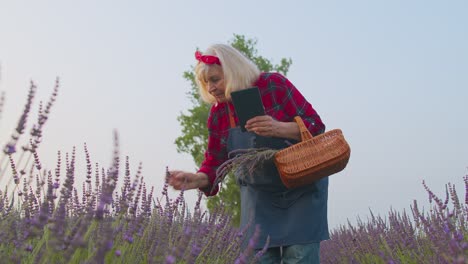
(231, 117)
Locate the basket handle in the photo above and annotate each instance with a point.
(305, 133)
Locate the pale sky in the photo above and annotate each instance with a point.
(393, 75)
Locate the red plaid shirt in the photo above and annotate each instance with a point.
(281, 100)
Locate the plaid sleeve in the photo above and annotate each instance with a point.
(216, 152)
(283, 101)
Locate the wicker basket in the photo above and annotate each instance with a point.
(313, 158)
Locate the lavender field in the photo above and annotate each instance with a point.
(47, 216)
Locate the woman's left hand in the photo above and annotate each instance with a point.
(264, 125)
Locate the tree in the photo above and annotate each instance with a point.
(195, 134)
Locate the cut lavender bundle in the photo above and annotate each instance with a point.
(244, 161)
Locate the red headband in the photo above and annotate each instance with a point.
(207, 59)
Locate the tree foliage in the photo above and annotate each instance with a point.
(194, 136)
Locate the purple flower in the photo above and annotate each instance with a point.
(29, 248)
(446, 228)
(129, 238)
(118, 253)
(170, 259)
(9, 149)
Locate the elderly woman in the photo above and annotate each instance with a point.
(294, 219)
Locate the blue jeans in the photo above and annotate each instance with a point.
(294, 254)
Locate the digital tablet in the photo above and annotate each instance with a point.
(248, 104)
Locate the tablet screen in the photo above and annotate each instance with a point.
(248, 104)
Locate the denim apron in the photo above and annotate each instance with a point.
(287, 216)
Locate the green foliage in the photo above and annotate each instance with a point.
(195, 133)
(229, 197)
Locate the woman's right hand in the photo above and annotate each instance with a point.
(181, 180)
